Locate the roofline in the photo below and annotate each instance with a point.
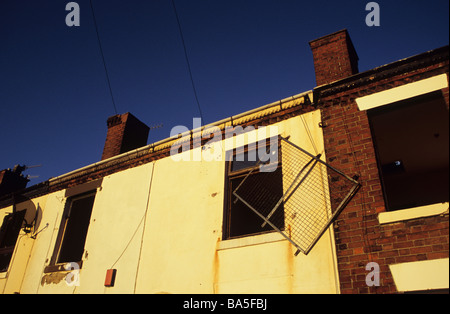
(190, 133)
(390, 69)
(45, 187)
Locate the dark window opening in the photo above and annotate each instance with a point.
(239, 219)
(9, 232)
(75, 228)
(411, 139)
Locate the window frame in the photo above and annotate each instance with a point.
(384, 174)
(242, 173)
(55, 264)
(392, 96)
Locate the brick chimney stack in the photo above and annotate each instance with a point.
(125, 133)
(12, 180)
(334, 56)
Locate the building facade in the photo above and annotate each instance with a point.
(182, 215)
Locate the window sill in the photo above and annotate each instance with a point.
(3, 275)
(60, 267)
(412, 213)
(250, 240)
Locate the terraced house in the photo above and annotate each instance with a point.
(340, 189)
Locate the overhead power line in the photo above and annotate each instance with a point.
(103, 58)
(187, 61)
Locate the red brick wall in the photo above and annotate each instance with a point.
(114, 137)
(360, 238)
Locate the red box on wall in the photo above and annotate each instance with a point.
(110, 277)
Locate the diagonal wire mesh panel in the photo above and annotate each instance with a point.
(312, 195)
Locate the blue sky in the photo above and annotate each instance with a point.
(54, 98)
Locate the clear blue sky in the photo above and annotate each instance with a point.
(54, 98)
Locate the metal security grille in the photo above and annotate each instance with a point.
(314, 193)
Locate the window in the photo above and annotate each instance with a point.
(74, 228)
(411, 139)
(9, 232)
(239, 219)
(297, 194)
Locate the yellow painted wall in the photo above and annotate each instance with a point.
(184, 228)
(271, 267)
(13, 279)
(118, 209)
(116, 233)
(160, 226)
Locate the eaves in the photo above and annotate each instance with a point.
(407, 65)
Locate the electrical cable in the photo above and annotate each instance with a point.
(103, 58)
(187, 59)
(308, 131)
(143, 229)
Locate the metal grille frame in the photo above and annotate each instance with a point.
(314, 194)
